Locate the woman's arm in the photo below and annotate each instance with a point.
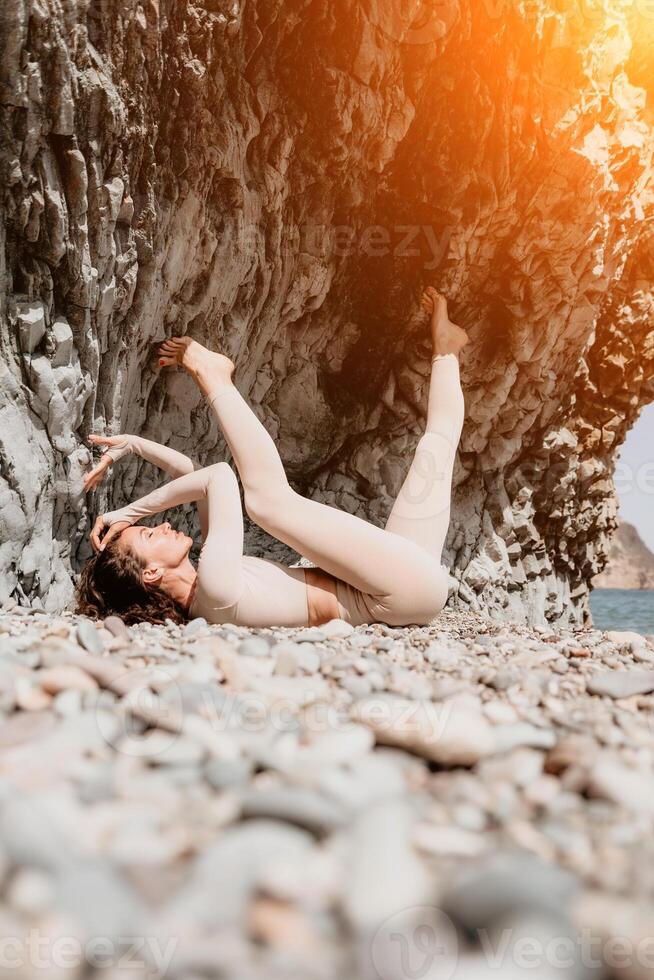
(220, 568)
(185, 489)
(220, 575)
(171, 461)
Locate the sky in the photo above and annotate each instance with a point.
(634, 476)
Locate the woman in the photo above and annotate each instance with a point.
(365, 573)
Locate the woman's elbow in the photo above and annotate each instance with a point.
(222, 471)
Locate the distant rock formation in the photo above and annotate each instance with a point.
(630, 563)
(281, 178)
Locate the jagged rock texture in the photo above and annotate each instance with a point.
(281, 180)
(630, 564)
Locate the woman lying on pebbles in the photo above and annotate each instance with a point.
(364, 573)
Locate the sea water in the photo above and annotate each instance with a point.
(623, 609)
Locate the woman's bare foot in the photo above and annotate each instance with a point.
(208, 368)
(447, 337)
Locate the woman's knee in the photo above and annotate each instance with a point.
(425, 599)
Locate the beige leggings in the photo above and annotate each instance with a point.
(397, 569)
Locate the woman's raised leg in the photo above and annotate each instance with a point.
(367, 557)
(421, 512)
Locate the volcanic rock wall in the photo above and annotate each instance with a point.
(280, 179)
(630, 563)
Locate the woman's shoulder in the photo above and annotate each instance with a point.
(210, 607)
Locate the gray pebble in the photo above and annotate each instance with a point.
(507, 885)
(294, 658)
(502, 680)
(165, 749)
(116, 627)
(385, 643)
(88, 636)
(235, 858)
(312, 634)
(621, 683)
(30, 892)
(67, 703)
(287, 662)
(31, 658)
(309, 659)
(254, 646)
(376, 680)
(358, 687)
(196, 627)
(97, 785)
(361, 640)
(441, 657)
(228, 773)
(337, 629)
(296, 805)
(522, 734)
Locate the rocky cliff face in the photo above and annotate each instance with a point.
(280, 180)
(630, 562)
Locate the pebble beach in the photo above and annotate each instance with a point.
(468, 800)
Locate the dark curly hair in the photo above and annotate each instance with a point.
(111, 584)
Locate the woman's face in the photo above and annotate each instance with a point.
(158, 547)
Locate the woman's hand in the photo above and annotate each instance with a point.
(119, 445)
(100, 539)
